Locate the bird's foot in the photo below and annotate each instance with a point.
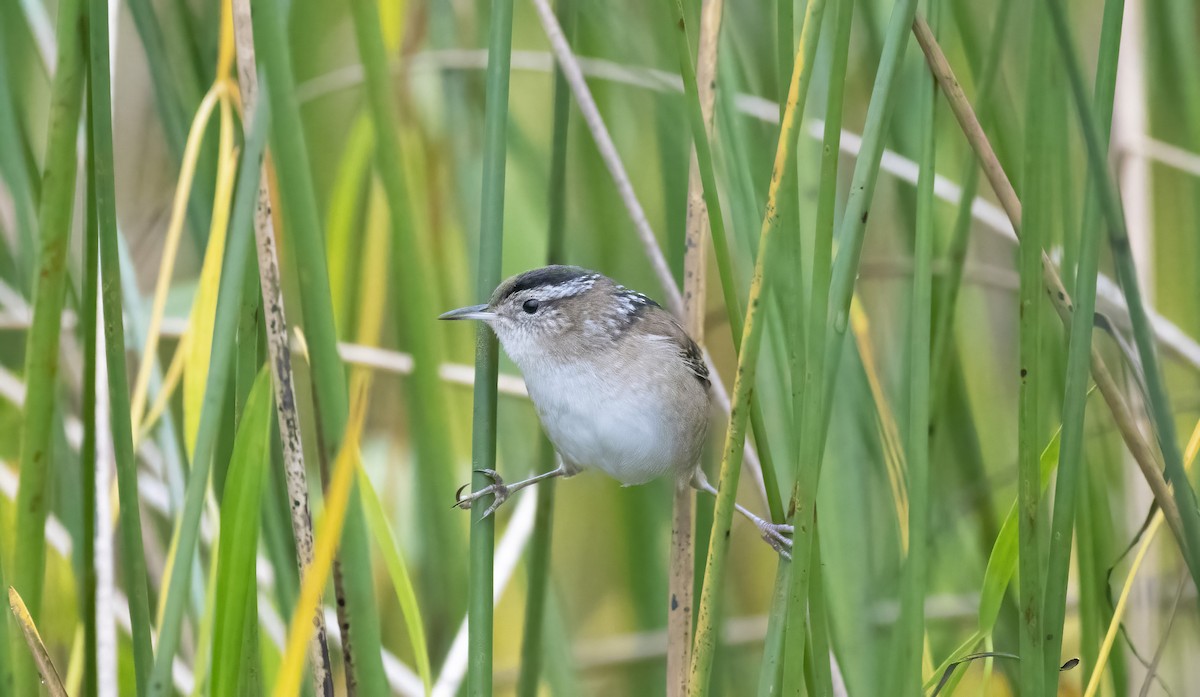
(496, 489)
(778, 535)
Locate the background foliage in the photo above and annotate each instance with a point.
(954, 518)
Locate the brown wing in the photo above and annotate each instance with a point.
(660, 322)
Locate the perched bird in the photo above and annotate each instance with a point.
(617, 383)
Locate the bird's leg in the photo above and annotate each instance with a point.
(500, 490)
(778, 535)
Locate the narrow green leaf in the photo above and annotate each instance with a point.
(483, 437)
(1079, 352)
(236, 584)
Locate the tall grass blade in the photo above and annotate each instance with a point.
(779, 653)
(705, 642)
(132, 557)
(1078, 352)
(402, 584)
(1110, 205)
(909, 637)
(1035, 228)
(483, 438)
(302, 219)
(236, 587)
(42, 341)
(87, 450)
(843, 274)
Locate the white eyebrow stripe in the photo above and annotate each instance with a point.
(566, 289)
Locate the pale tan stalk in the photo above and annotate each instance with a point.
(279, 352)
(683, 551)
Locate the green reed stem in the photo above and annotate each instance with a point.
(483, 437)
(909, 636)
(705, 642)
(1070, 463)
(41, 346)
(132, 555)
(1034, 229)
(87, 450)
(729, 283)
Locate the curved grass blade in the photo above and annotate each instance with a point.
(406, 596)
(232, 281)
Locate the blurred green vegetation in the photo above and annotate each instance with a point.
(376, 178)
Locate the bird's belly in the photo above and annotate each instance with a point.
(622, 430)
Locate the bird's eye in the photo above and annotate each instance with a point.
(530, 306)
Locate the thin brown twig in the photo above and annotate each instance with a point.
(1122, 415)
(280, 353)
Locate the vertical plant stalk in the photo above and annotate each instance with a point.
(329, 383)
(808, 463)
(87, 451)
(1061, 300)
(843, 274)
(700, 120)
(1033, 680)
(132, 555)
(41, 347)
(483, 434)
(536, 599)
(279, 353)
(1070, 462)
(33, 640)
(1110, 204)
(909, 637)
(704, 646)
(413, 294)
(700, 188)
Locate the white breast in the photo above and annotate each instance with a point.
(596, 417)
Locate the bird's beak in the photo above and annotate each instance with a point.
(472, 312)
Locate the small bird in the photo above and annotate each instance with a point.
(617, 383)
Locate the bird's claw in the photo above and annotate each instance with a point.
(496, 489)
(778, 535)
